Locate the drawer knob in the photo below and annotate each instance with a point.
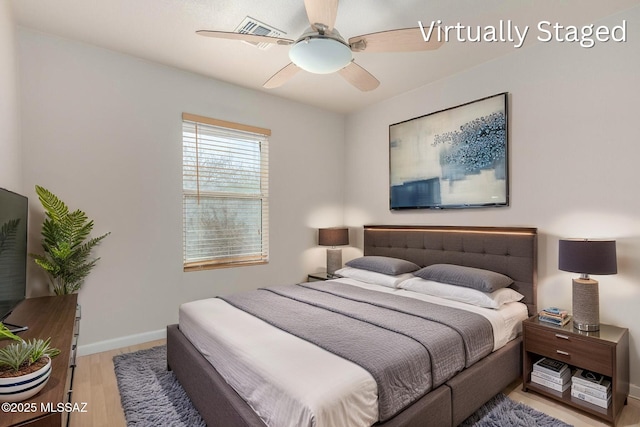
(564, 337)
(564, 353)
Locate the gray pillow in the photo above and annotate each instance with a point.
(476, 278)
(384, 265)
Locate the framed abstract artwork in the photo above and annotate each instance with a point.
(454, 158)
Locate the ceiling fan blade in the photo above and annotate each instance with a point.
(244, 37)
(359, 77)
(404, 40)
(321, 12)
(282, 76)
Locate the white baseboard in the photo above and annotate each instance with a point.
(634, 391)
(107, 345)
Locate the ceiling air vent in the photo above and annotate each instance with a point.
(253, 26)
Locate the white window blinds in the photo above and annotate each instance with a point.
(225, 193)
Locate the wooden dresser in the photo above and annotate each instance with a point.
(56, 317)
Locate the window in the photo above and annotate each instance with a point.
(225, 193)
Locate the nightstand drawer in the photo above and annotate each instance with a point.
(570, 348)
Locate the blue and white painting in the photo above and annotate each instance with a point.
(454, 158)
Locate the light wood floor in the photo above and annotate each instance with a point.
(95, 384)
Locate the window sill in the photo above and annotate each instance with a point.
(214, 266)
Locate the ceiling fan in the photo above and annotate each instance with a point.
(322, 50)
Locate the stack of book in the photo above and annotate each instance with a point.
(555, 316)
(591, 387)
(551, 373)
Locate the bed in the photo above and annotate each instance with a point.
(509, 251)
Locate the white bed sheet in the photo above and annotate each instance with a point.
(317, 388)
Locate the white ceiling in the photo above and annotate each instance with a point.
(164, 31)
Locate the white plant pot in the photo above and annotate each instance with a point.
(17, 389)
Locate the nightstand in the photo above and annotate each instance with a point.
(605, 351)
(315, 277)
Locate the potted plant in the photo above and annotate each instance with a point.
(25, 366)
(66, 243)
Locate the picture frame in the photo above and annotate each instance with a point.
(453, 158)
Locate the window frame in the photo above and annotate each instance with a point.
(231, 260)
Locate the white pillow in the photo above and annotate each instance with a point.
(493, 299)
(373, 277)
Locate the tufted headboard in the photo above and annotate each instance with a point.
(508, 250)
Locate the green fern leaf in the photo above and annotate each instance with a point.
(54, 207)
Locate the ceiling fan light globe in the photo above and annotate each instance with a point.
(320, 55)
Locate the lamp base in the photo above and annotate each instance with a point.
(586, 305)
(334, 260)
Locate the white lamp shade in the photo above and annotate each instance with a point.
(320, 55)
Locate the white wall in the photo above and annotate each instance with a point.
(103, 131)
(574, 150)
(10, 151)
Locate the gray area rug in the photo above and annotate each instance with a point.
(501, 411)
(152, 396)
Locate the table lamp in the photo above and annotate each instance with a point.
(335, 236)
(587, 257)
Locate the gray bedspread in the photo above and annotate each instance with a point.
(408, 346)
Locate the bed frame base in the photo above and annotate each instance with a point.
(448, 405)
(473, 387)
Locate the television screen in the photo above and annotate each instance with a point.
(13, 250)
(454, 158)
